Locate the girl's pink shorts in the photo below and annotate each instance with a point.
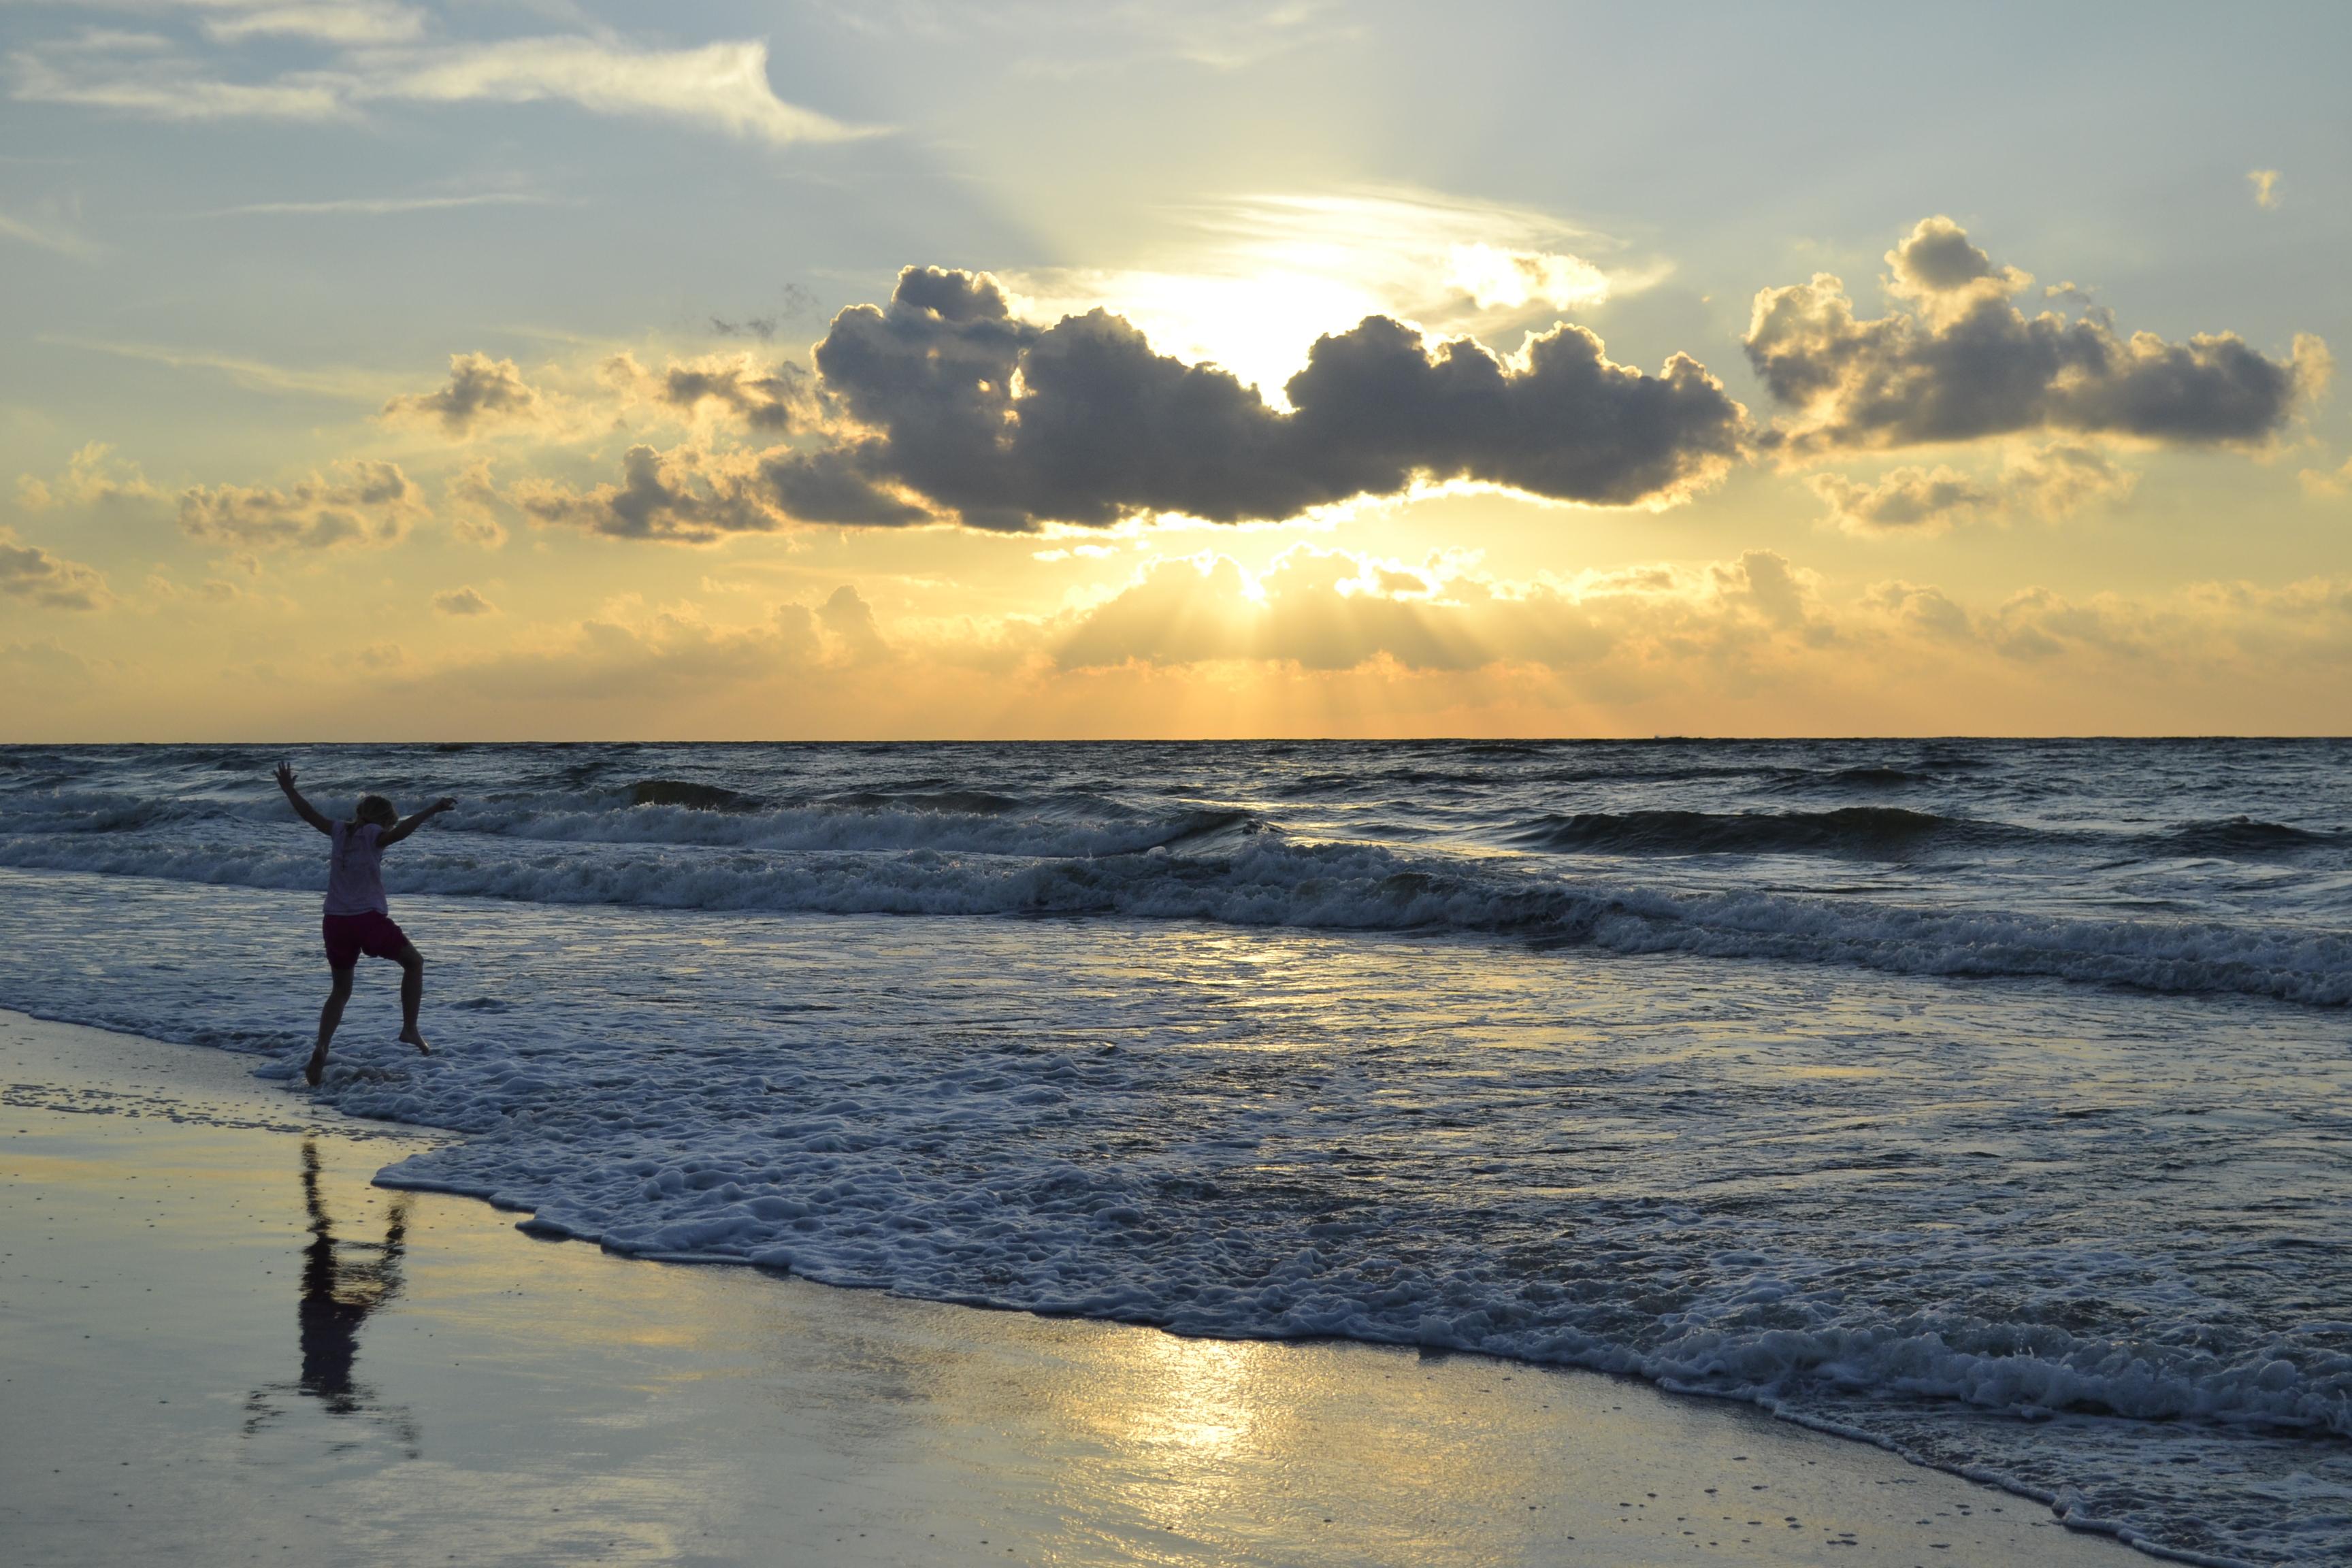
(372, 934)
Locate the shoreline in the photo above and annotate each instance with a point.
(716, 1416)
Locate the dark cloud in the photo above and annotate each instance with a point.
(1007, 426)
(481, 391)
(831, 486)
(761, 327)
(1964, 361)
(776, 399)
(794, 303)
(687, 496)
(373, 506)
(31, 574)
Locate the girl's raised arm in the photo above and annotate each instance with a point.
(407, 825)
(302, 808)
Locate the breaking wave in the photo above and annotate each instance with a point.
(1227, 867)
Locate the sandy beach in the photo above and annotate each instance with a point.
(221, 1343)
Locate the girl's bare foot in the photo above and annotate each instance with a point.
(312, 1069)
(413, 1039)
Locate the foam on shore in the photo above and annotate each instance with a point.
(476, 1396)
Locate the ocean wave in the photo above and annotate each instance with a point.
(943, 802)
(86, 811)
(1877, 831)
(835, 828)
(1895, 832)
(1872, 776)
(2242, 838)
(1225, 868)
(665, 811)
(692, 796)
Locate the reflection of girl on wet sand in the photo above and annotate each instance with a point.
(337, 1297)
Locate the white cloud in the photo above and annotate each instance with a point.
(93, 477)
(1925, 500)
(1689, 638)
(720, 86)
(344, 22)
(2053, 481)
(1250, 283)
(626, 654)
(463, 601)
(2333, 481)
(31, 574)
(471, 503)
(358, 385)
(373, 506)
(167, 89)
(50, 231)
(1332, 610)
(379, 206)
(1508, 279)
(38, 667)
(1066, 37)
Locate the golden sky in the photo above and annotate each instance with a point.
(386, 370)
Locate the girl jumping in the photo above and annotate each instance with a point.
(357, 920)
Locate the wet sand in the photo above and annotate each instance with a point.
(220, 1344)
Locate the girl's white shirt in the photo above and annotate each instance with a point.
(355, 875)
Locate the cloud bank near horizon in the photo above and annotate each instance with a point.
(1750, 633)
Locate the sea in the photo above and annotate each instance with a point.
(1987, 1100)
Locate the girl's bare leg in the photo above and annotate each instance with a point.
(412, 995)
(329, 1016)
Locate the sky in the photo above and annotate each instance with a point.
(524, 369)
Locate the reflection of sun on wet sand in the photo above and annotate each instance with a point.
(339, 1293)
(587, 1409)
